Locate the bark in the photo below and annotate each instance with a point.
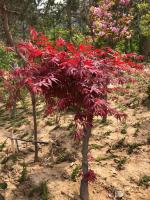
(8, 34)
(145, 46)
(69, 20)
(35, 127)
(126, 45)
(84, 193)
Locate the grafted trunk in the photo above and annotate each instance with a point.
(84, 193)
(35, 126)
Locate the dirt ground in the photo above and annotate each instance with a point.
(119, 154)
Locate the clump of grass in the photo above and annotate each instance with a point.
(75, 172)
(23, 176)
(3, 145)
(148, 91)
(144, 181)
(12, 157)
(120, 163)
(132, 147)
(137, 125)
(64, 157)
(122, 107)
(99, 159)
(70, 126)
(49, 123)
(95, 146)
(107, 133)
(19, 123)
(44, 191)
(105, 122)
(3, 186)
(41, 190)
(119, 144)
(128, 86)
(124, 129)
(136, 132)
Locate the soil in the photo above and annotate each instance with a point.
(119, 153)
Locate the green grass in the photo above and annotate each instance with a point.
(2, 145)
(41, 190)
(120, 163)
(3, 186)
(23, 176)
(75, 172)
(95, 146)
(124, 129)
(119, 144)
(144, 181)
(132, 147)
(99, 159)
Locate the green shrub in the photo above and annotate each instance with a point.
(6, 58)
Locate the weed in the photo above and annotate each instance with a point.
(105, 123)
(75, 172)
(121, 163)
(107, 133)
(12, 157)
(3, 185)
(122, 107)
(2, 145)
(19, 123)
(132, 147)
(119, 144)
(44, 191)
(95, 146)
(144, 181)
(33, 191)
(65, 156)
(133, 94)
(148, 91)
(136, 132)
(49, 123)
(124, 129)
(137, 125)
(70, 126)
(98, 159)
(41, 190)
(128, 86)
(23, 176)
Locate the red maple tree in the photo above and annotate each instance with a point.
(77, 76)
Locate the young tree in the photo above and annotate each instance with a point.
(76, 76)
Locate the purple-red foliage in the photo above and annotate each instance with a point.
(68, 75)
(90, 176)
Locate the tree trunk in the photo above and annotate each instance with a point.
(131, 45)
(35, 126)
(6, 26)
(69, 20)
(84, 193)
(126, 45)
(145, 46)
